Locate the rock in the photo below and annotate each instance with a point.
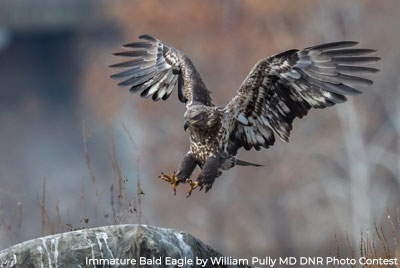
(155, 247)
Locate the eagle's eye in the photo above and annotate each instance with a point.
(198, 117)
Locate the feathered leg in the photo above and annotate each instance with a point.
(207, 176)
(186, 168)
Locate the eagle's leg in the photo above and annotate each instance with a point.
(186, 168)
(207, 175)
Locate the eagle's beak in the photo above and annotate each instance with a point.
(186, 124)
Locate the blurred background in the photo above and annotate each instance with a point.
(73, 145)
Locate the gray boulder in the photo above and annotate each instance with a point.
(115, 246)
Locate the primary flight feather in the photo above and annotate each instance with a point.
(277, 90)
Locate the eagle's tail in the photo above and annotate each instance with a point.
(244, 163)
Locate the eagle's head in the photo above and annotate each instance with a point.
(198, 116)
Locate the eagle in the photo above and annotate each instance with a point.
(278, 89)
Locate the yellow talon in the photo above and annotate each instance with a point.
(193, 185)
(173, 180)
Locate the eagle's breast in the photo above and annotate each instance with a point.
(207, 140)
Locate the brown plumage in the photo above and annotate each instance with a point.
(276, 91)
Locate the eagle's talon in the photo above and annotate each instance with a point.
(173, 180)
(193, 185)
(208, 187)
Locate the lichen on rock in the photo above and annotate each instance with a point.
(123, 242)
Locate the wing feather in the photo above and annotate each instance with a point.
(157, 68)
(287, 85)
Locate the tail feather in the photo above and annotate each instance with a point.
(244, 163)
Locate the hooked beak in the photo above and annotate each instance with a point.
(186, 124)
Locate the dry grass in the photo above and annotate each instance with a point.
(117, 170)
(48, 225)
(87, 156)
(56, 220)
(19, 217)
(43, 206)
(387, 247)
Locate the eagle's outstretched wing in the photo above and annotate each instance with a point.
(287, 85)
(156, 68)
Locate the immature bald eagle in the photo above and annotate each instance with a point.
(277, 90)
